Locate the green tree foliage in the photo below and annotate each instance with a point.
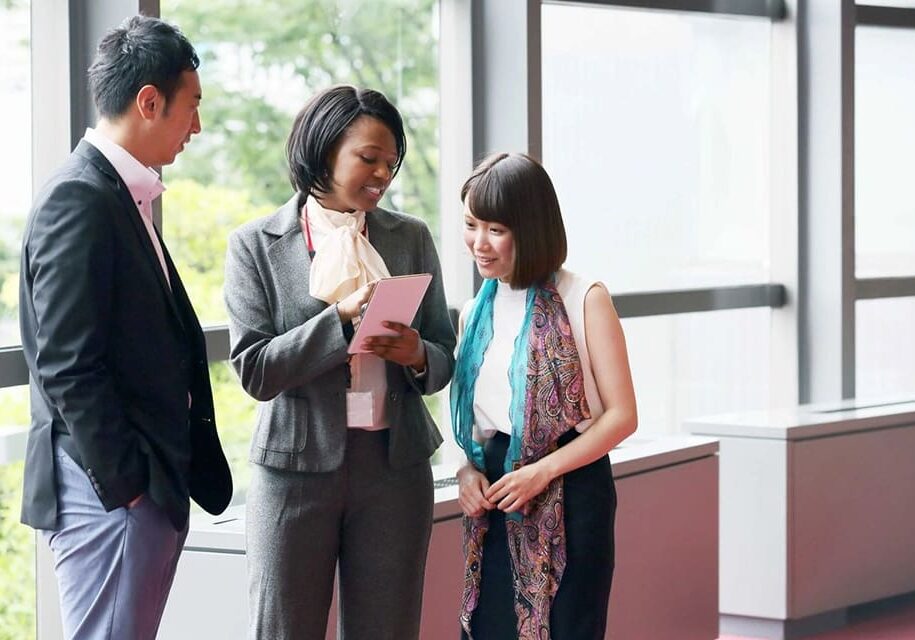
(262, 61)
(13, 4)
(17, 561)
(198, 221)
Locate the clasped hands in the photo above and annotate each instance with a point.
(405, 348)
(510, 493)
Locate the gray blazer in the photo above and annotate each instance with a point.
(289, 349)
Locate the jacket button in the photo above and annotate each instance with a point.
(393, 396)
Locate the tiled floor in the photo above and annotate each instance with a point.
(890, 620)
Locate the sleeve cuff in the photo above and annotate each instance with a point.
(348, 331)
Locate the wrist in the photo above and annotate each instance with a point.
(419, 365)
(464, 469)
(343, 314)
(548, 467)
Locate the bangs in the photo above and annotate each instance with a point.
(485, 195)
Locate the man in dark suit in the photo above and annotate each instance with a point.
(123, 429)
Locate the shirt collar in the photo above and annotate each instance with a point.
(143, 182)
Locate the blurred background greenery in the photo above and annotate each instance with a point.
(260, 62)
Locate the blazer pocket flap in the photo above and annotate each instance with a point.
(282, 424)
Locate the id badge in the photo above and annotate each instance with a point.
(360, 409)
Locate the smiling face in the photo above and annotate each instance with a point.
(492, 246)
(361, 166)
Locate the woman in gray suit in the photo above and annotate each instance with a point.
(341, 477)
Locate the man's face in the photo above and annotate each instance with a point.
(174, 125)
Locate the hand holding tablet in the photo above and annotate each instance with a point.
(395, 299)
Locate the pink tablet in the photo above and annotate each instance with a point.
(394, 300)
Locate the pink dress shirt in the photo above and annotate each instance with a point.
(143, 183)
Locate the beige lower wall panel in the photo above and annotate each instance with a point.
(666, 581)
(852, 519)
(209, 600)
(444, 582)
(665, 585)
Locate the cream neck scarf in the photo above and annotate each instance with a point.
(344, 259)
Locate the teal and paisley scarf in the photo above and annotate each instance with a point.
(547, 399)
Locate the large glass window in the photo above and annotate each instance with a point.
(697, 364)
(884, 156)
(885, 348)
(16, 160)
(17, 552)
(656, 133)
(259, 65)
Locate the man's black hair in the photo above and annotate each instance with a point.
(141, 51)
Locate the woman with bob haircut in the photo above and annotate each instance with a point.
(340, 477)
(542, 391)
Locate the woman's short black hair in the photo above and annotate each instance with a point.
(141, 51)
(319, 126)
(514, 190)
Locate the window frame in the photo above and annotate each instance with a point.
(486, 36)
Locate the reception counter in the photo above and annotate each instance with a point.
(665, 585)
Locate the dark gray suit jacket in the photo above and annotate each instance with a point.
(289, 348)
(113, 353)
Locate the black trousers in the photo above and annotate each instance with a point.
(579, 611)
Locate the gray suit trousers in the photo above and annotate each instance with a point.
(368, 520)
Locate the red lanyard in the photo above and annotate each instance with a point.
(311, 246)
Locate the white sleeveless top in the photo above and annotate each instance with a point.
(492, 394)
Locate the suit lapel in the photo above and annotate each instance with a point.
(150, 251)
(176, 295)
(382, 235)
(291, 266)
(133, 215)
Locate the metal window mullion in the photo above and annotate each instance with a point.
(893, 17)
(455, 77)
(14, 372)
(783, 207)
(826, 283)
(217, 341)
(892, 287)
(772, 9)
(658, 303)
(849, 283)
(506, 77)
(506, 81)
